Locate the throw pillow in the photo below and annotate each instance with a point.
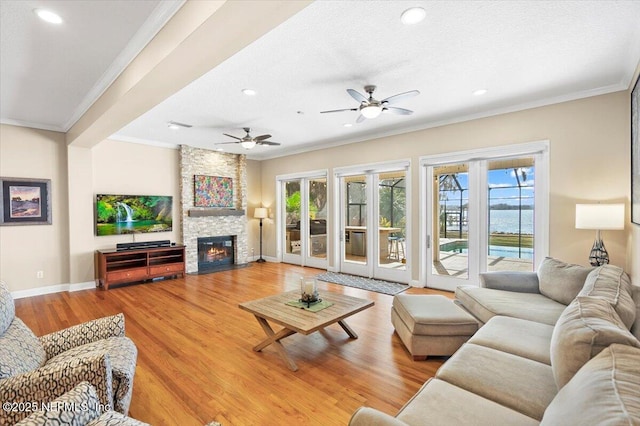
(604, 392)
(561, 281)
(612, 284)
(20, 350)
(586, 327)
(75, 408)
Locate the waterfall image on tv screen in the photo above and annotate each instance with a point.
(133, 214)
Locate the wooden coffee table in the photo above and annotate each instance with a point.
(297, 320)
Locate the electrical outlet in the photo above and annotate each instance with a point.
(40, 274)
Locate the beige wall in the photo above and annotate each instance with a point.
(634, 236)
(589, 162)
(254, 197)
(24, 250)
(589, 155)
(128, 168)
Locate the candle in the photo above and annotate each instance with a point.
(308, 287)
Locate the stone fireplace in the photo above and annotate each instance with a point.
(205, 222)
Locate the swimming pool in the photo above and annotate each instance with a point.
(498, 251)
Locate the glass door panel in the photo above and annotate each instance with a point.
(354, 205)
(317, 229)
(450, 233)
(392, 220)
(510, 214)
(293, 213)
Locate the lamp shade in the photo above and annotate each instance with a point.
(260, 213)
(600, 216)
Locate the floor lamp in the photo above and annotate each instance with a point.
(260, 213)
(599, 217)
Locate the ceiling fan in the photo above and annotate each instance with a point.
(248, 142)
(371, 108)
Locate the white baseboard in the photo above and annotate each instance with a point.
(59, 288)
(416, 283)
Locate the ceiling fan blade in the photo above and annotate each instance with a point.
(398, 111)
(400, 96)
(361, 118)
(357, 95)
(231, 136)
(224, 143)
(339, 110)
(261, 137)
(267, 143)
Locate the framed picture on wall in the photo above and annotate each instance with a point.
(25, 201)
(635, 154)
(213, 191)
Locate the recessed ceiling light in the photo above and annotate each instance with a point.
(347, 125)
(49, 16)
(413, 15)
(479, 92)
(249, 92)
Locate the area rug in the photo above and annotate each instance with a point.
(379, 286)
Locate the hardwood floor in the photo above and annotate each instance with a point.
(195, 357)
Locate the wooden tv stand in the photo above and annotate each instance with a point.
(127, 266)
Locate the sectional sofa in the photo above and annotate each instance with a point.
(557, 347)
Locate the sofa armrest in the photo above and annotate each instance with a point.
(521, 282)
(370, 417)
(48, 382)
(91, 331)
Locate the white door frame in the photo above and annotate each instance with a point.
(302, 259)
(477, 160)
(371, 268)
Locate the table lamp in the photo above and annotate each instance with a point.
(599, 217)
(260, 213)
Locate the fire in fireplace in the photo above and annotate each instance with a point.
(216, 252)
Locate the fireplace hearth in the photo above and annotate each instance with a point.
(216, 253)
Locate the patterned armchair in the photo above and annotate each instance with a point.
(36, 369)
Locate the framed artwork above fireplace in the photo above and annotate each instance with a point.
(212, 191)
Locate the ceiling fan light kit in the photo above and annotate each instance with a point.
(371, 111)
(249, 142)
(371, 108)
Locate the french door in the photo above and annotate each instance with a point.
(303, 223)
(372, 215)
(483, 211)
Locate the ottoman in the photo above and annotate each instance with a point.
(431, 325)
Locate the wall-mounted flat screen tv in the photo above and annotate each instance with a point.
(133, 214)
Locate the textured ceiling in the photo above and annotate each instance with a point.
(526, 53)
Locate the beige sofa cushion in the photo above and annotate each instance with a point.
(485, 303)
(561, 281)
(586, 327)
(518, 383)
(614, 285)
(516, 336)
(606, 391)
(439, 403)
